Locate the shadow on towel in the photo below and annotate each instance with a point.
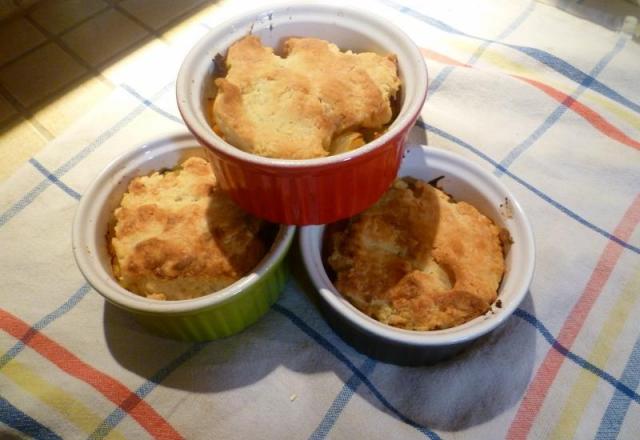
(475, 386)
(230, 363)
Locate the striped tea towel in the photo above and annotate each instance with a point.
(548, 102)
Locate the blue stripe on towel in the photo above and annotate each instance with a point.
(552, 61)
(46, 173)
(580, 361)
(435, 84)
(619, 404)
(117, 415)
(342, 358)
(341, 401)
(151, 105)
(16, 419)
(45, 321)
(530, 187)
(516, 152)
(29, 197)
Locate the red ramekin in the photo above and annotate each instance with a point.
(311, 191)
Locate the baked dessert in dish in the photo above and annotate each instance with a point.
(417, 259)
(177, 235)
(312, 102)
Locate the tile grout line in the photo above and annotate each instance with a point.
(136, 20)
(55, 38)
(47, 40)
(31, 195)
(29, 112)
(62, 45)
(180, 17)
(15, 117)
(31, 109)
(158, 33)
(28, 9)
(26, 113)
(151, 34)
(92, 72)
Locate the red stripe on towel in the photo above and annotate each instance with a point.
(538, 388)
(112, 389)
(591, 116)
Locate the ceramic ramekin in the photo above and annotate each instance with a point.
(465, 181)
(310, 191)
(212, 316)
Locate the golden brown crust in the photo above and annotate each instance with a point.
(417, 260)
(178, 236)
(293, 107)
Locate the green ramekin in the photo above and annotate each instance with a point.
(225, 319)
(216, 315)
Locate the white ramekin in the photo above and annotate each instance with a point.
(465, 181)
(212, 316)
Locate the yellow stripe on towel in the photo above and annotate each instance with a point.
(586, 383)
(511, 67)
(72, 409)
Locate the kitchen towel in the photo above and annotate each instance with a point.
(548, 102)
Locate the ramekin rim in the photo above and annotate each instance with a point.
(83, 228)
(313, 263)
(205, 133)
